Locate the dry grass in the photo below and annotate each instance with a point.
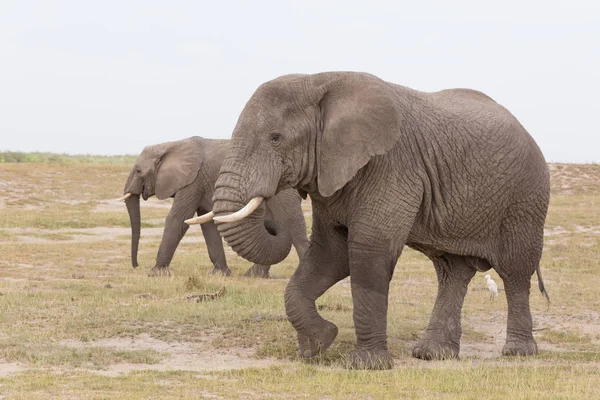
(76, 321)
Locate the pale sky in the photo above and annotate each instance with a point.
(110, 77)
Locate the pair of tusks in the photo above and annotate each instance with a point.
(202, 219)
(236, 216)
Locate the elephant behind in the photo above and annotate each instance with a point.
(187, 171)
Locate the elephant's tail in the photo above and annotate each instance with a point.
(541, 285)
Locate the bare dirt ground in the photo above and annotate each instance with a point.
(86, 235)
(199, 356)
(110, 205)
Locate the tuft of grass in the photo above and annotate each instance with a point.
(6, 236)
(52, 236)
(570, 357)
(192, 283)
(567, 338)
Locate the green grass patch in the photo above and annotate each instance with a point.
(62, 158)
(309, 382)
(90, 357)
(566, 337)
(61, 219)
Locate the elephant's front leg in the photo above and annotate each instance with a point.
(324, 264)
(174, 230)
(442, 338)
(371, 269)
(214, 244)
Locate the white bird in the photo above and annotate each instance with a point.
(492, 287)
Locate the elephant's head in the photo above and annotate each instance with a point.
(310, 132)
(160, 170)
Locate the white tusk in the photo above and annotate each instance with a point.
(243, 213)
(127, 195)
(201, 219)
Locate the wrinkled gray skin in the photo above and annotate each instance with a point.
(451, 174)
(187, 170)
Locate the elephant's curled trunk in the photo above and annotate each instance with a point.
(254, 238)
(133, 208)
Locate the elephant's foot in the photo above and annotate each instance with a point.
(258, 271)
(319, 341)
(160, 271)
(370, 359)
(522, 347)
(429, 349)
(221, 271)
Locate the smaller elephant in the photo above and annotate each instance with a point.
(187, 171)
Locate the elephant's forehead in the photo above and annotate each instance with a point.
(147, 154)
(267, 107)
(271, 95)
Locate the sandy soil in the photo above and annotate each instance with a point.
(185, 356)
(197, 356)
(7, 368)
(110, 205)
(87, 235)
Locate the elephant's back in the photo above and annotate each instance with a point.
(216, 150)
(463, 95)
(475, 119)
(476, 153)
(216, 145)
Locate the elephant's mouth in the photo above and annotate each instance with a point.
(145, 194)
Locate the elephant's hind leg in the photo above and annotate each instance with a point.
(258, 271)
(523, 251)
(442, 338)
(160, 271)
(214, 244)
(519, 331)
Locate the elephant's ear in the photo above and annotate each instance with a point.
(361, 118)
(178, 165)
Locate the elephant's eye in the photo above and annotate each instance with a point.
(138, 171)
(275, 137)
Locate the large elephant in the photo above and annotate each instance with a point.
(187, 170)
(452, 174)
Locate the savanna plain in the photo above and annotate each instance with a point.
(77, 321)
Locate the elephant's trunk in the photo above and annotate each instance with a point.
(133, 208)
(260, 241)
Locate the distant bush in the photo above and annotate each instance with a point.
(55, 158)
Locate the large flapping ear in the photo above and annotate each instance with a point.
(178, 165)
(361, 118)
